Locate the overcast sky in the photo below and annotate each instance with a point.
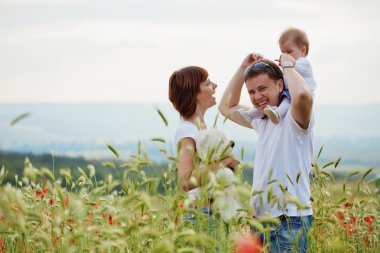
(124, 51)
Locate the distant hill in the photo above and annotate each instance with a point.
(352, 132)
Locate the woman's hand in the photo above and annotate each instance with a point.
(230, 162)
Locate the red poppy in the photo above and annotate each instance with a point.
(249, 243)
(45, 191)
(70, 221)
(91, 219)
(340, 215)
(368, 219)
(41, 193)
(67, 201)
(2, 247)
(110, 221)
(180, 206)
(347, 205)
(350, 226)
(51, 201)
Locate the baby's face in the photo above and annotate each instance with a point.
(289, 47)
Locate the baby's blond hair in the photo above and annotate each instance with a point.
(298, 37)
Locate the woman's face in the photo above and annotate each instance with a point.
(205, 97)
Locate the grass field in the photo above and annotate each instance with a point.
(53, 211)
(42, 213)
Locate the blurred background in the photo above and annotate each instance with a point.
(92, 73)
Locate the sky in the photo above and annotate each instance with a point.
(82, 51)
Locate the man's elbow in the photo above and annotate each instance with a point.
(305, 98)
(222, 109)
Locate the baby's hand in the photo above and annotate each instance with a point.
(286, 58)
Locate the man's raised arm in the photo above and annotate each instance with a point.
(229, 105)
(302, 100)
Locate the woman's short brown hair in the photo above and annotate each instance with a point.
(184, 86)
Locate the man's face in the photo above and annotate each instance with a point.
(264, 91)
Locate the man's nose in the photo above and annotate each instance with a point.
(258, 95)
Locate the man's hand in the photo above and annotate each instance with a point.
(249, 59)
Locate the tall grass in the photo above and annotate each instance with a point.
(127, 213)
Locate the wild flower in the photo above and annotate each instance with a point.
(67, 201)
(368, 219)
(41, 193)
(248, 243)
(91, 219)
(340, 216)
(51, 201)
(2, 247)
(180, 206)
(70, 221)
(110, 221)
(347, 205)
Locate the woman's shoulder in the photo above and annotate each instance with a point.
(186, 129)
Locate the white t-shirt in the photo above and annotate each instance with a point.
(283, 151)
(187, 129)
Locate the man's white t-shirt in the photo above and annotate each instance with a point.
(284, 151)
(187, 129)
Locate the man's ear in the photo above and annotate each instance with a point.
(280, 84)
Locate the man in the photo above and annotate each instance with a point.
(284, 150)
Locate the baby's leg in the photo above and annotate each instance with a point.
(249, 115)
(274, 113)
(255, 114)
(283, 108)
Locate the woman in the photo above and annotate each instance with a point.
(191, 93)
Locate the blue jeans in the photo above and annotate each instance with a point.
(290, 235)
(211, 225)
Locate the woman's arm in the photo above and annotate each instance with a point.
(187, 166)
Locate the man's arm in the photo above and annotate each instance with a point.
(229, 105)
(302, 100)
